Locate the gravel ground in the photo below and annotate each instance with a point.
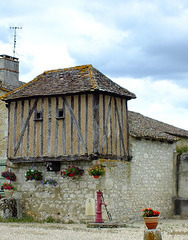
(170, 229)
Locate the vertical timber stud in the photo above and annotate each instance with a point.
(53, 125)
(86, 123)
(127, 131)
(72, 134)
(15, 122)
(64, 130)
(79, 122)
(56, 127)
(11, 131)
(49, 125)
(28, 129)
(24, 142)
(8, 140)
(42, 129)
(96, 139)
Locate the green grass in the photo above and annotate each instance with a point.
(25, 219)
(51, 220)
(30, 219)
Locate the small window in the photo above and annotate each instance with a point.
(38, 116)
(60, 114)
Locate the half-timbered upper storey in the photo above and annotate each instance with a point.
(68, 114)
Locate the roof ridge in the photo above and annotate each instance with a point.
(68, 68)
(94, 85)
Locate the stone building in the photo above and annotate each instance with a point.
(146, 136)
(9, 80)
(79, 115)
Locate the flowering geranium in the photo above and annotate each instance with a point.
(97, 170)
(33, 175)
(149, 212)
(9, 175)
(49, 182)
(72, 171)
(7, 186)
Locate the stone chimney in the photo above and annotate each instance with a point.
(9, 71)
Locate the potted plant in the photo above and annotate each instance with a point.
(8, 189)
(72, 171)
(49, 182)
(97, 170)
(151, 218)
(9, 175)
(33, 175)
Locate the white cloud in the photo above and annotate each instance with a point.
(131, 38)
(162, 100)
(5, 49)
(45, 57)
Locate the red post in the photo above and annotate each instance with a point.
(99, 207)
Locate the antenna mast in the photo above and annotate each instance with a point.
(15, 28)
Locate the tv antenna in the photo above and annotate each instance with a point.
(15, 29)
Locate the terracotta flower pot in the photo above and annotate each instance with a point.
(95, 176)
(151, 222)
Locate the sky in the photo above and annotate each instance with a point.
(140, 44)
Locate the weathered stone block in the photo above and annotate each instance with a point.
(152, 234)
(10, 207)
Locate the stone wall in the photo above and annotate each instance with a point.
(128, 187)
(153, 175)
(3, 127)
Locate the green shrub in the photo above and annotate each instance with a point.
(181, 149)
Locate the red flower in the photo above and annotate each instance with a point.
(149, 212)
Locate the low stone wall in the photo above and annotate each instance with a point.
(128, 187)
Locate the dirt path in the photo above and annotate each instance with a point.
(170, 229)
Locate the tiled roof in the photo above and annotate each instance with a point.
(148, 128)
(9, 87)
(72, 80)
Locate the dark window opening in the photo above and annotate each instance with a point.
(53, 166)
(60, 113)
(38, 116)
